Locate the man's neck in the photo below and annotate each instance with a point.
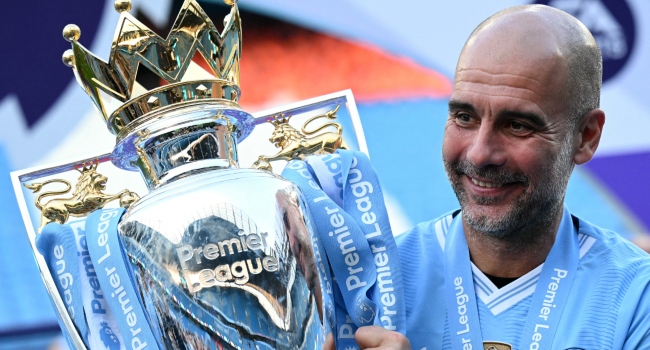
(515, 255)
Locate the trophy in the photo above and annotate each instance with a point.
(221, 257)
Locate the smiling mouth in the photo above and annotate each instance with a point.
(486, 183)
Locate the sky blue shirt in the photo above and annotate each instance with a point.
(608, 306)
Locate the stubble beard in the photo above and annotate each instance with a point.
(530, 213)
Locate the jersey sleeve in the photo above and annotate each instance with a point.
(638, 334)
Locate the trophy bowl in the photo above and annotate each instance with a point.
(221, 255)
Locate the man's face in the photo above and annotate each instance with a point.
(508, 146)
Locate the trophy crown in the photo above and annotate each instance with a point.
(280, 119)
(88, 166)
(112, 85)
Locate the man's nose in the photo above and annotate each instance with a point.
(486, 148)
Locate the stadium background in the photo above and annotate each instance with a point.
(398, 59)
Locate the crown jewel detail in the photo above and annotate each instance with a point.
(112, 85)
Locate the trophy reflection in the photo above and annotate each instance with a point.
(221, 257)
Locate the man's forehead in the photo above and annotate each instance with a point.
(536, 78)
(511, 87)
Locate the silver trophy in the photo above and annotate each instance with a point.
(222, 257)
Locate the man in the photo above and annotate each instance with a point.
(514, 269)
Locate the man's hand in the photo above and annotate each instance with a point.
(374, 337)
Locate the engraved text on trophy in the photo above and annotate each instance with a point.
(238, 271)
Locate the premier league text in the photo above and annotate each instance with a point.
(547, 307)
(238, 272)
(462, 299)
(116, 283)
(362, 191)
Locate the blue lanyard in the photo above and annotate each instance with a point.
(115, 277)
(551, 293)
(57, 245)
(346, 203)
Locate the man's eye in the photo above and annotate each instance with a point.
(463, 118)
(519, 128)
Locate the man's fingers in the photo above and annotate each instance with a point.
(375, 337)
(329, 342)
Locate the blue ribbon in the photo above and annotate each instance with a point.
(57, 245)
(352, 223)
(462, 310)
(363, 199)
(115, 277)
(103, 332)
(556, 280)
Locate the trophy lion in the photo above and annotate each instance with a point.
(87, 196)
(295, 144)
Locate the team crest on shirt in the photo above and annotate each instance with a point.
(495, 345)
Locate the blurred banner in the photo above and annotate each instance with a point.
(398, 59)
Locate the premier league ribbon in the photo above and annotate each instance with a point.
(347, 252)
(57, 245)
(551, 293)
(114, 275)
(103, 332)
(346, 202)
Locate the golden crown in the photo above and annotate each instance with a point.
(279, 119)
(112, 86)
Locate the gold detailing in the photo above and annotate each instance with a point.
(126, 128)
(294, 144)
(68, 58)
(149, 171)
(112, 85)
(495, 345)
(122, 5)
(168, 95)
(87, 196)
(71, 32)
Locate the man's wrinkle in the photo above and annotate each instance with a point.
(498, 74)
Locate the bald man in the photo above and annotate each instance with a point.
(513, 269)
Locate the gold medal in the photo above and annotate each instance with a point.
(495, 345)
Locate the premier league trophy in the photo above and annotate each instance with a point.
(218, 257)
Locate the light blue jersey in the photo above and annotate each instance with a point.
(608, 306)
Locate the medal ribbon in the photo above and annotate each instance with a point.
(115, 277)
(549, 298)
(102, 329)
(57, 245)
(353, 227)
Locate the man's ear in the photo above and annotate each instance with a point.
(587, 138)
